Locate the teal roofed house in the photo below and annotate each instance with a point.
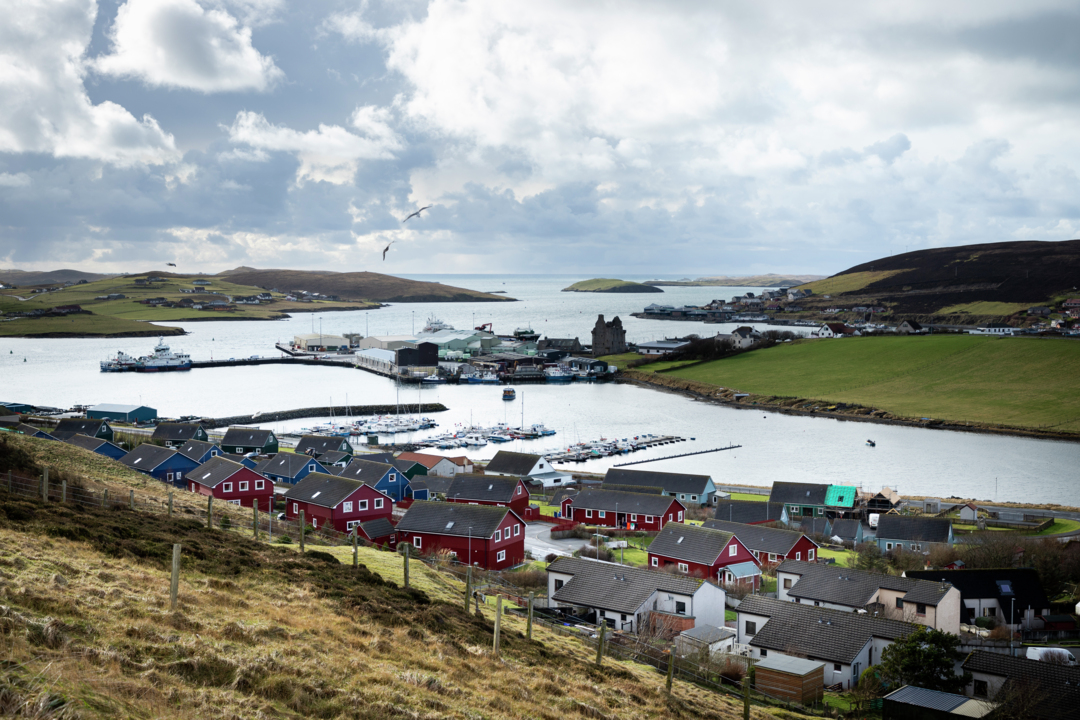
(840, 500)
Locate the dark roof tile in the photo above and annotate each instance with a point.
(792, 493)
(492, 488)
(758, 537)
(690, 543)
(911, 528)
(672, 483)
(214, 471)
(614, 587)
(512, 463)
(856, 588)
(458, 519)
(323, 490)
(749, 512)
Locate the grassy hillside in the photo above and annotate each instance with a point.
(767, 280)
(357, 285)
(612, 286)
(1023, 382)
(83, 326)
(24, 278)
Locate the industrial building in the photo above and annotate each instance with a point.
(121, 413)
(319, 342)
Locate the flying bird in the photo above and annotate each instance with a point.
(171, 264)
(416, 214)
(387, 248)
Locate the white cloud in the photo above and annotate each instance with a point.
(45, 107)
(14, 180)
(329, 154)
(179, 44)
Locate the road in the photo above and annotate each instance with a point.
(538, 541)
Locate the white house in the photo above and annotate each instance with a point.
(835, 330)
(992, 330)
(534, 467)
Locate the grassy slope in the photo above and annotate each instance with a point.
(365, 285)
(1013, 381)
(102, 325)
(605, 285)
(847, 283)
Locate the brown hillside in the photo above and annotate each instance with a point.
(357, 286)
(31, 278)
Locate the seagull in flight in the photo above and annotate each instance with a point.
(416, 214)
(171, 264)
(387, 248)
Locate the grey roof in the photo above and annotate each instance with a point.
(88, 443)
(175, 431)
(492, 488)
(512, 463)
(633, 488)
(319, 444)
(748, 512)
(792, 493)
(73, 426)
(214, 471)
(813, 525)
(246, 437)
(383, 457)
(856, 588)
(365, 471)
(614, 587)
(790, 665)
(436, 484)
(626, 502)
(379, 527)
(561, 494)
(405, 465)
(333, 456)
(994, 584)
(459, 519)
(147, 456)
(758, 537)
(287, 465)
(708, 633)
(195, 448)
(32, 430)
(671, 482)
(845, 529)
(690, 543)
(819, 633)
(909, 527)
(323, 490)
(924, 698)
(1057, 687)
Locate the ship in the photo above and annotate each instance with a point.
(526, 334)
(434, 325)
(558, 375)
(163, 360)
(509, 394)
(120, 363)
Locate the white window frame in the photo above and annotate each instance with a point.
(243, 486)
(684, 568)
(601, 513)
(798, 554)
(226, 487)
(378, 503)
(351, 524)
(233, 502)
(655, 562)
(810, 554)
(498, 536)
(693, 497)
(346, 507)
(260, 484)
(393, 477)
(361, 505)
(296, 509)
(239, 451)
(633, 518)
(518, 490)
(888, 546)
(680, 516)
(417, 541)
(500, 556)
(772, 557)
(733, 550)
(517, 529)
(648, 518)
(588, 514)
(311, 467)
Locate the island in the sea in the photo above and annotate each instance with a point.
(609, 285)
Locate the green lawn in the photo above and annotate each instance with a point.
(1011, 381)
(749, 496)
(843, 558)
(1060, 525)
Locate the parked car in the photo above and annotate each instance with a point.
(1059, 656)
(873, 519)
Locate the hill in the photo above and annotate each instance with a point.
(607, 285)
(357, 286)
(976, 281)
(1015, 382)
(767, 280)
(31, 278)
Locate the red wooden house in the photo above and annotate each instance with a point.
(339, 502)
(378, 531)
(616, 508)
(770, 546)
(713, 554)
(489, 536)
(497, 490)
(231, 482)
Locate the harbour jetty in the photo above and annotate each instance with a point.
(325, 411)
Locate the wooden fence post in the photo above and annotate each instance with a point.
(528, 626)
(9, 481)
(170, 503)
(498, 622)
(105, 497)
(468, 587)
(45, 486)
(174, 586)
(355, 540)
(746, 697)
(670, 668)
(63, 491)
(600, 642)
(302, 531)
(407, 548)
(209, 511)
(255, 519)
(131, 499)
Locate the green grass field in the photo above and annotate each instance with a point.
(987, 308)
(81, 324)
(849, 282)
(1023, 382)
(843, 558)
(604, 284)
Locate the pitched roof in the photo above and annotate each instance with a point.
(748, 511)
(377, 528)
(175, 431)
(195, 449)
(1057, 686)
(624, 502)
(841, 496)
(813, 525)
(319, 444)
(286, 464)
(793, 493)
(512, 463)
(909, 527)
(671, 482)
(147, 457)
(86, 442)
(404, 465)
(323, 490)
(614, 587)
(856, 588)
(246, 437)
(331, 457)
(460, 460)
(561, 494)
(708, 633)
(214, 471)
(383, 457)
(365, 471)
(690, 543)
(458, 519)
(1021, 585)
(492, 488)
(633, 488)
(845, 528)
(32, 430)
(931, 699)
(428, 461)
(758, 537)
(436, 484)
(819, 633)
(73, 426)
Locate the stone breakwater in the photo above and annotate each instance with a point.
(326, 411)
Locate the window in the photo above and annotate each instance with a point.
(916, 547)
(260, 484)
(787, 583)
(588, 513)
(518, 489)
(821, 511)
(633, 518)
(836, 667)
(243, 485)
(798, 555)
(311, 467)
(683, 567)
(295, 508)
(809, 554)
(351, 524)
(751, 627)
(498, 535)
(693, 497)
(817, 604)
(794, 509)
(378, 503)
(517, 530)
(361, 505)
(233, 502)
(393, 477)
(622, 617)
(655, 562)
(169, 476)
(500, 556)
(680, 607)
(755, 554)
(732, 550)
(764, 653)
(226, 487)
(346, 507)
(682, 497)
(772, 557)
(558, 585)
(680, 516)
(416, 541)
(920, 609)
(602, 513)
(798, 601)
(981, 689)
(648, 518)
(888, 546)
(240, 451)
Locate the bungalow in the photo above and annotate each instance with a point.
(834, 330)
(712, 554)
(490, 490)
(97, 445)
(535, 467)
(316, 445)
(811, 526)
(661, 347)
(488, 536)
(438, 465)
(846, 642)
(341, 503)
(176, 434)
(233, 483)
(909, 327)
(1040, 311)
(934, 604)
(616, 508)
(289, 468)
(1012, 596)
(91, 428)
(199, 451)
(243, 440)
(908, 532)
(769, 545)
(689, 489)
(1051, 691)
(751, 512)
(633, 599)
(249, 462)
(378, 532)
(705, 641)
(801, 499)
(384, 477)
(847, 531)
(158, 462)
(335, 458)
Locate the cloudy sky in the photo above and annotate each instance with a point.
(598, 137)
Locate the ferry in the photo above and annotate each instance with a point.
(120, 363)
(163, 360)
(509, 394)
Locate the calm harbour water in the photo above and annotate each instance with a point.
(63, 372)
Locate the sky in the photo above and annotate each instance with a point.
(607, 138)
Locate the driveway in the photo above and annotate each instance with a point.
(538, 541)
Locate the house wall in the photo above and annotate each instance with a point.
(336, 517)
(742, 554)
(591, 516)
(263, 496)
(993, 684)
(709, 605)
(173, 470)
(886, 544)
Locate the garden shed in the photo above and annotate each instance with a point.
(791, 678)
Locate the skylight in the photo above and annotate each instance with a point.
(1005, 587)
(450, 524)
(206, 476)
(317, 494)
(678, 541)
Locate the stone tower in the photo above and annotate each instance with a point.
(608, 338)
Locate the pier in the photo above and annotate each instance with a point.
(671, 457)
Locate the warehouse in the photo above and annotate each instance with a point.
(121, 413)
(320, 342)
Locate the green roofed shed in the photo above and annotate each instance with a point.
(840, 496)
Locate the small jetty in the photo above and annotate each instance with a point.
(671, 457)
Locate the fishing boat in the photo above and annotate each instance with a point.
(432, 380)
(558, 375)
(871, 443)
(509, 394)
(434, 325)
(120, 363)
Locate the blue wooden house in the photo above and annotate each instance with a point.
(913, 533)
(162, 463)
(289, 468)
(200, 451)
(97, 445)
(249, 462)
(384, 477)
(34, 432)
(848, 530)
